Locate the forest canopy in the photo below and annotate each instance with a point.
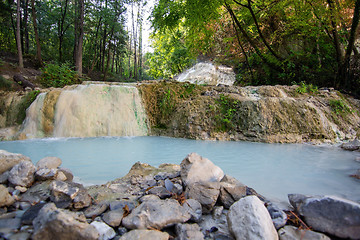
(265, 41)
(270, 41)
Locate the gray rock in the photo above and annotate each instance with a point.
(63, 191)
(113, 218)
(54, 223)
(8, 160)
(104, 230)
(168, 185)
(22, 174)
(60, 176)
(206, 193)
(188, 231)
(5, 198)
(195, 168)
(231, 190)
(277, 215)
(31, 213)
(166, 175)
(122, 204)
(95, 210)
(40, 191)
(249, 219)
(215, 226)
(49, 162)
(22, 235)
(10, 223)
(68, 174)
(148, 198)
(351, 146)
(44, 174)
(177, 189)
(159, 191)
(4, 177)
(156, 214)
(194, 208)
(82, 199)
(329, 214)
(145, 234)
(293, 233)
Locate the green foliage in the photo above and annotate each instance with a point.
(339, 107)
(26, 102)
(171, 55)
(55, 75)
(307, 88)
(226, 113)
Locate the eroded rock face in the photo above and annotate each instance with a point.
(8, 160)
(54, 223)
(249, 219)
(195, 168)
(22, 174)
(156, 214)
(334, 215)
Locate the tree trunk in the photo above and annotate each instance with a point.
(61, 28)
(18, 37)
(343, 73)
(37, 39)
(26, 29)
(80, 36)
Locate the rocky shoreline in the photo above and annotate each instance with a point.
(193, 200)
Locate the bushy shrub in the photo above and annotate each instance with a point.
(54, 75)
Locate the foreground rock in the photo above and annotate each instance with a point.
(249, 219)
(156, 214)
(54, 223)
(145, 234)
(22, 174)
(169, 202)
(8, 160)
(195, 168)
(351, 146)
(293, 233)
(333, 215)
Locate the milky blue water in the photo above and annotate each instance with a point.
(273, 170)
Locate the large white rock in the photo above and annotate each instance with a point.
(104, 230)
(22, 174)
(54, 223)
(329, 214)
(156, 214)
(8, 160)
(195, 168)
(208, 73)
(249, 219)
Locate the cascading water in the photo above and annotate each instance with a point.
(208, 73)
(89, 110)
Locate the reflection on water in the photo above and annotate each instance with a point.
(274, 170)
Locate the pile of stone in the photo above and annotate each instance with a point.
(195, 200)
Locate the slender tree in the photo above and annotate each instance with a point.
(37, 39)
(18, 37)
(79, 29)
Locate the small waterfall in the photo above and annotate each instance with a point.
(208, 73)
(89, 110)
